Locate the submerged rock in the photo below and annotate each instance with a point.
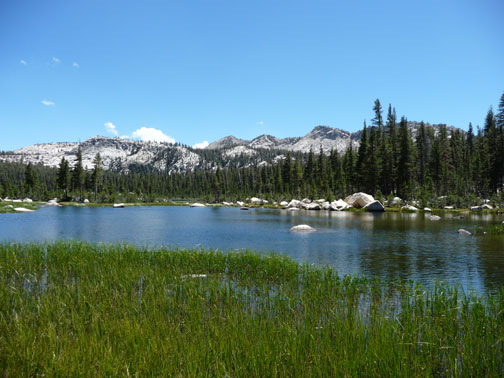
(434, 217)
(464, 232)
(244, 208)
(374, 206)
(359, 200)
(302, 228)
(293, 209)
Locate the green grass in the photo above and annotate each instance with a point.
(76, 309)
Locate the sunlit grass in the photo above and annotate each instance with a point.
(78, 309)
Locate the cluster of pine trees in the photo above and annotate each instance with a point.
(444, 163)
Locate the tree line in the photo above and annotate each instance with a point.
(389, 161)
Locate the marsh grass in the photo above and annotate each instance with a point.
(78, 309)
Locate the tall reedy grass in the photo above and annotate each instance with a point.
(78, 309)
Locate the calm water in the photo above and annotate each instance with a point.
(388, 245)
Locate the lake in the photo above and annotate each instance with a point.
(386, 245)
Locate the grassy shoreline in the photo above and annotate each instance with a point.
(79, 309)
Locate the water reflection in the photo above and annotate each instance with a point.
(386, 245)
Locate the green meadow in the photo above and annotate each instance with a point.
(79, 309)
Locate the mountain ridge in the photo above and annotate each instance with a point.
(125, 154)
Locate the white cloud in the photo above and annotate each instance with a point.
(260, 123)
(48, 103)
(75, 64)
(111, 128)
(201, 145)
(151, 134)
(23, 62)
(56, 60)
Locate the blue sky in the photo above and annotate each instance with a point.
(196, 71)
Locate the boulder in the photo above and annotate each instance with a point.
(326, 205)
(320, 200)
(312, 206)
(240, 203)
(409, 208)
(306, 200)
(294, 203)
(53, 202)
(17, 201)
(196, 204)
(464, 232)
(434, 217)
(396, 201)
(256, 201)
(284, 203)
(448, 207)
(22, 210)
(374, 206)
(302, 228)
(339, 205)
(427, 209)
(359, 200)
(9, 207)
(28, 200)
(121, 205)
(486, 207)
(85, 201)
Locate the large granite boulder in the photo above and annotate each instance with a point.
(284, 203)
(359, 200)
(374, 206)
(339, 205)
(294, 203)
(312, 206)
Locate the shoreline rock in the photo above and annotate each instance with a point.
(302, 228)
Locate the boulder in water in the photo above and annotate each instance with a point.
(434, 217)
(118, 205)
(427, 209)
(284, 203)
(374, 206)
(312, 206)
(302, 228)
(294, 203)
(339, 205)
(464, 232)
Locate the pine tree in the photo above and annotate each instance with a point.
(406, 160)
(97, 173)
(78, 174)
(63, 176)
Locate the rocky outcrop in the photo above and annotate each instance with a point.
(302, 228)
(359, 200)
